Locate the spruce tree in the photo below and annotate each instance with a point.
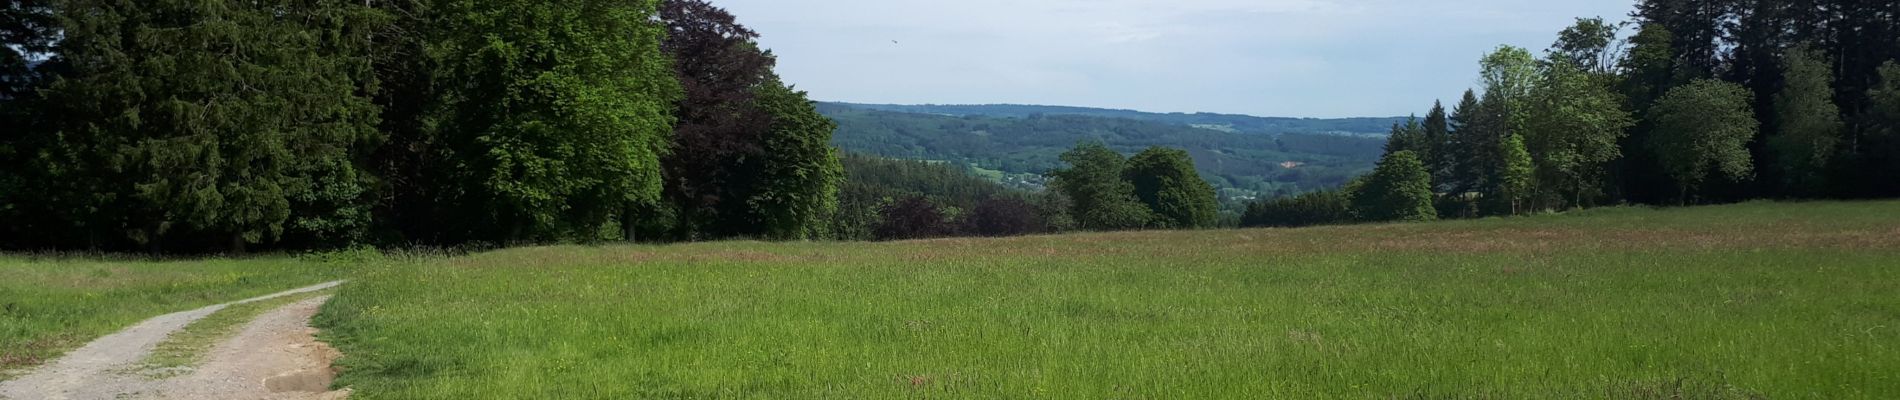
(1437, 130)
(1464, 147)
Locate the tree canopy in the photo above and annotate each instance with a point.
(1701, 127)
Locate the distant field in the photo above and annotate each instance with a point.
(1745, 301)
(51, 305)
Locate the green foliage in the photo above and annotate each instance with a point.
(1705, 125)
(1510, 73)
(1325, 207)
(871, 183)
(1587, 45)
(1410, 137)
(1438, 150)
(1517, 176)
(1398, 190)
(554, 114)
(227, 123)
(1576, 123)
(1165, 180)
(1810, 126)
(1103, 200)
(798, 184)
(1466, 149)
(1031, 147)
(1224, 122)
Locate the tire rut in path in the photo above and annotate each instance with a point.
(105, 368)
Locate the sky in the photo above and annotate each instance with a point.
(1283, 58)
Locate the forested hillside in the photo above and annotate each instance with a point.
(1250, 165)
(1371, 126)
(1704, 102)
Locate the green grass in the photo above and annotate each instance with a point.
(49, 305)
(1744, 301)
(189, 346)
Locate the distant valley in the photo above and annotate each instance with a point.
(1244, 156)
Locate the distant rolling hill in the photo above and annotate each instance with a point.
(1017, 148)
(1373, 126)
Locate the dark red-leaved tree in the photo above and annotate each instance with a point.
(1003, 216)
(719, 128)
(914, 217)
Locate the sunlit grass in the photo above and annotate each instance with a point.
(52, 304)
(1775, 300)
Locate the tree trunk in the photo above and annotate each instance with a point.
(626, 225)
(237, 243)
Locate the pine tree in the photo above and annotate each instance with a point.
(1463, 168)
(1810, 125)
(1409, 136)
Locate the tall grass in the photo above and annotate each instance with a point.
(1744, 301)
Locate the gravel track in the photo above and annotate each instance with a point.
(279, 342)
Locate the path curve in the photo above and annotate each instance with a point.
(103, 368)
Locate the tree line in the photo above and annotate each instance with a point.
(222, 125)
(1707, 101)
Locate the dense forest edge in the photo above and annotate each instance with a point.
(189, 128)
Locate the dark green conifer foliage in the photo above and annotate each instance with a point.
(193, 122)
(1881, 160)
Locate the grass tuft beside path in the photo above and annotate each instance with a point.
(188, 347)
(49, 305)
(1744, 301)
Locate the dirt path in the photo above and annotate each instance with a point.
(107, 367)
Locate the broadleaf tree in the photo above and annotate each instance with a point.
(1810, 124)
(1701, 127)
(1399, 189)
(1165, 179)
(1100, 197)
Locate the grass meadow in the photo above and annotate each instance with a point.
(1782, 301)
(49, 305)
